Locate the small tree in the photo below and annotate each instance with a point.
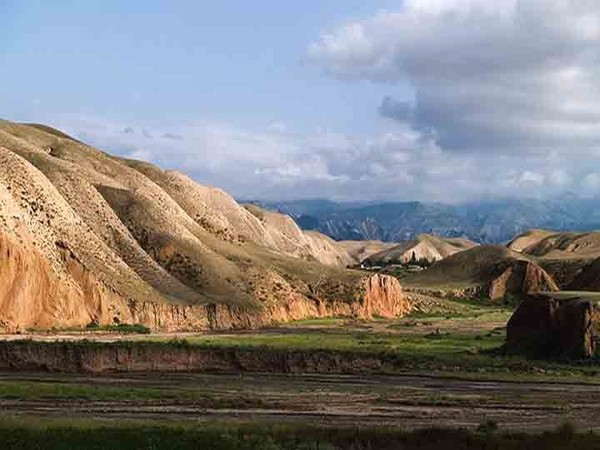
(413, 258)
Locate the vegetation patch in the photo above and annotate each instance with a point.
(36, 433)
(121, 328)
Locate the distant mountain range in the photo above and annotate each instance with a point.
(485, 222)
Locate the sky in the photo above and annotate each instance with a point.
(430, 100)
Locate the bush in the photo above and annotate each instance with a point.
(123, 328)
(488, 427)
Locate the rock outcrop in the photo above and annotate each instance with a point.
(521, 278)
(543, 326)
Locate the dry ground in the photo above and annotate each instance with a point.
(407, 402)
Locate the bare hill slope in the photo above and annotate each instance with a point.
(431, 248)
(528, 239)
(488, 270)
(567, 256)
(87, 237)
(361, 250)
(565, 245)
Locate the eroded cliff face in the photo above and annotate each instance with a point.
(521, 278)
(361, 297)
(32, 295)
(546, 327)
(147, 357)
(384, 297)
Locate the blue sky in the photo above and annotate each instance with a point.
(157, 61)
(435, 100)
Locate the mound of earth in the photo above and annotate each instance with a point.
(543, 326)
(361, 250)
(90, 238)
(425, 247)
(488, 270)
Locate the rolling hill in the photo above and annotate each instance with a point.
(427, 247)
(569, 257)
(490, 271)
(86, 237)
(360, 250)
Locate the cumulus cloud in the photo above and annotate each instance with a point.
(395, 165)
(512, 76)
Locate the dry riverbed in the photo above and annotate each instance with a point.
(407, 402)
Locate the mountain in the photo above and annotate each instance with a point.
(425, 246)
(484, 222)
(86, 237)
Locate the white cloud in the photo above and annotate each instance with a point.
(511, 76)
(393, 165)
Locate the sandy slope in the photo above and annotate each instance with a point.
(360, 250)
(425, 246)
(86, 237)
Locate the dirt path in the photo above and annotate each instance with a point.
(402, 401)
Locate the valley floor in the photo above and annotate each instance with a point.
(431, 369)
(399, 401)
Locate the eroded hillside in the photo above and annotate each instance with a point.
(424, 247)
(86, 237)
(571, 258)
(488, 270)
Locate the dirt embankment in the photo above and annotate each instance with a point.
(32, 295)
(155, 357)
